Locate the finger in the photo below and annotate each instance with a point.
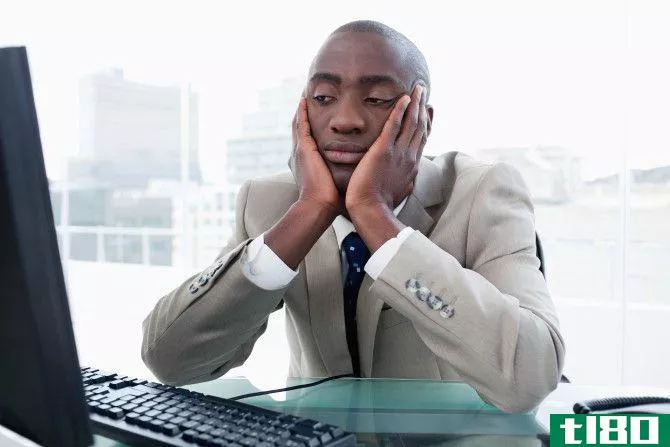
(303, 128)
(420, 136)
(393, 125)
(411, 118)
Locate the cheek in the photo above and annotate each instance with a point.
(318, 123)
(378, 121)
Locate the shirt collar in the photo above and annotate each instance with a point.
(343, 226)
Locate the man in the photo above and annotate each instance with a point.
(389, 264)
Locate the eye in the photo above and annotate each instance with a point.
(378, 101)
(323, 99)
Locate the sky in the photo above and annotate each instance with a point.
(590, 76)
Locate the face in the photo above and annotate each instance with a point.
(354, 82)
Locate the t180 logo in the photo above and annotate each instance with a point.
(602, 429)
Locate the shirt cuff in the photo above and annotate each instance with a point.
(380, 259)
(264, 268)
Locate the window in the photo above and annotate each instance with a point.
(136, 125)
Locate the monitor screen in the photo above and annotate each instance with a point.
(41, 392)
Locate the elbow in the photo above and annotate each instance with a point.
(521, 398)
(162, 366)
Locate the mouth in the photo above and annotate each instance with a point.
(344, 153)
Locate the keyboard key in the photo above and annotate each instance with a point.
(129, 407)
(115, 413)
(152, 413)
(141, 410)
(118, 384)
(189, 435)
(172, 410)
(108, 400)
(118, 403)
(185, 414)
(178, 420)
(156, 425)
(217, 433)
(151, 403)
(233, 437)
(325, 438)
(188, 425)
(170, 429)
(132, 418)
(198, 418)
(204, 428)
(164, 417)
(144, 421)
(248, 442)
(202, 439)
(336, 432)
(160, 407)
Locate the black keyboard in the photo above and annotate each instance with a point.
(142, 413)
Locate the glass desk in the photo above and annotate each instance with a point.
(393, 412)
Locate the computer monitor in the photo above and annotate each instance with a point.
(41, 392)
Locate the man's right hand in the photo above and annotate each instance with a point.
(311, 173)
(319, 201)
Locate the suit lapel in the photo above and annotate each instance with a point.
(326, 303)
(428, 191)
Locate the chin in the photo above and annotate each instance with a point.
(341, 176)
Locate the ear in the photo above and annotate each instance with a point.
(429, 124)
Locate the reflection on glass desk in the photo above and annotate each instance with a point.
(393, 412)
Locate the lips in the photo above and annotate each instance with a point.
(344, 153)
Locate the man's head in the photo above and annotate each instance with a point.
(359, 73)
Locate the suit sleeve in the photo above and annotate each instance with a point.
(498, 327)
(210, 323)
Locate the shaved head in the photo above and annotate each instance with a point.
(411, 54)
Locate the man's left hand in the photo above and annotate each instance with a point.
(386, 173)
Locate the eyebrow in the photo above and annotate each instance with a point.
(363, 80)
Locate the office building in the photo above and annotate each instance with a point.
(130, 133)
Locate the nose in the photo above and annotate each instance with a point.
(347, 117)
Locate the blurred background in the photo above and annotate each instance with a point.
(152, 114)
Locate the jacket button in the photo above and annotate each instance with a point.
(412, 285)
(423, 293)
(435, 302)
(447, 311)
(202, 280)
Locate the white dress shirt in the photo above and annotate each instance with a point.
(266, 270)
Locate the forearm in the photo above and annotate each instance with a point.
(502, 339)
(298, 230)
(198, 336)
(375, 224)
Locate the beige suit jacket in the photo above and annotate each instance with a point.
(473, 246)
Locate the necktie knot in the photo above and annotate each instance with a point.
(357, 255)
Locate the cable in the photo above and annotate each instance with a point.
(616, 403)
(296, 387)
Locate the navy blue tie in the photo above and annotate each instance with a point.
(357, 255)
